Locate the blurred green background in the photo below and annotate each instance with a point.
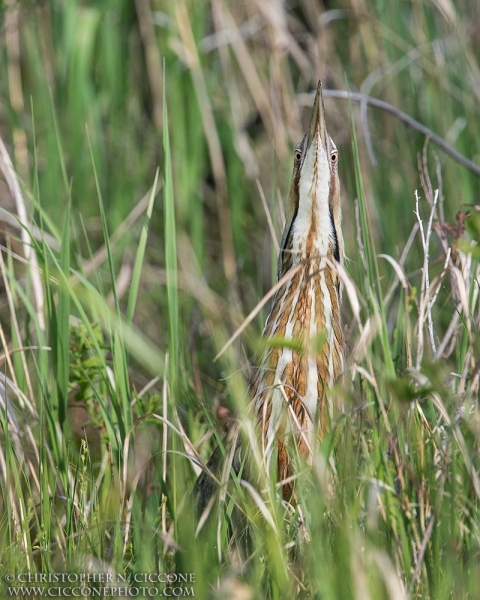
(234, 73)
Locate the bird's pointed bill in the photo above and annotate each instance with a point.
(317, 125)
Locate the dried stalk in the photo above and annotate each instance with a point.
(30, 254)
(425, 237)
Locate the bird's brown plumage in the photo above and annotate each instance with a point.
(304, 353)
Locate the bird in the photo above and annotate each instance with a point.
(303, 354)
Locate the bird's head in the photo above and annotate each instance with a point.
(312, 228)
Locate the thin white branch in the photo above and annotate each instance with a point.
(425, 313)
(427, 279)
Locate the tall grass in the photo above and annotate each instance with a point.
(111, 401)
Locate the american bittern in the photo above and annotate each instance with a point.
(289, 386)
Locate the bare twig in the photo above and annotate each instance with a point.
(307, 100)
(425, 235)
(427, 277)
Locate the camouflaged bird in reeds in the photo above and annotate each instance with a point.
(303, 354)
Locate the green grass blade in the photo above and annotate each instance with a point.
(170, 246)
(62, 348)
(106, 236)
(60, 315)
(137, 269)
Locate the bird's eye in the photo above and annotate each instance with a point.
(298, 156)
(334, 157)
